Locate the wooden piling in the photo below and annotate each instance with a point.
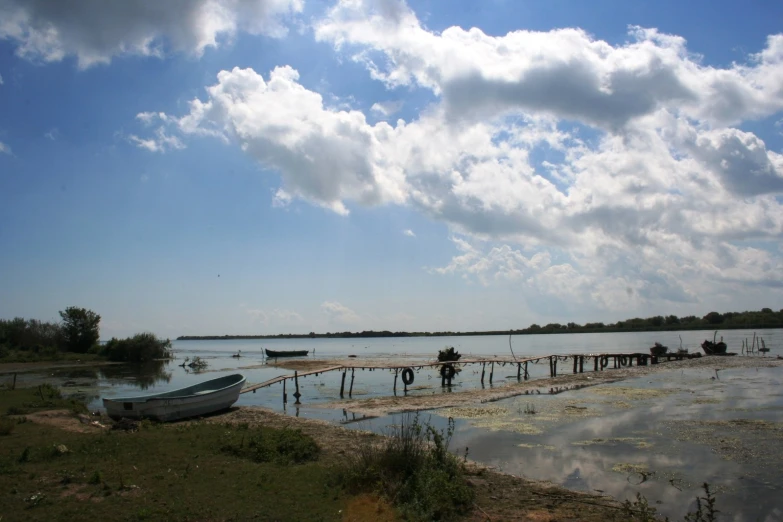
(483, 369)
(519, 370)
(296, 393)
(285, 397)
(527, 375)
(575, 362)
(342, 384)
(396, 374)
(554, 366)
(595, 363)
(581, 364)
(350, 390)
(491, 372)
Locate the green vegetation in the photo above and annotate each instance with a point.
(765, 318)
(161, 472)
(75, 338)
(141, 347)
(414, 469)
(38, 398)
(80, 329)
(284, 446)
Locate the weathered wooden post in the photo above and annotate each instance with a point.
(350, 390)
(296, 393)
(483, 369)
(581, 364)
(575, 362)
(285, 396)
(554, 367)
(595, 363)
(396, 373)
(342, 384)
(491, 372)
(551, 370)
(519, 370)
(527, 375)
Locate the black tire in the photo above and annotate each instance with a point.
(623, 360)
(407, 376)
(447, 371)
(604, 361)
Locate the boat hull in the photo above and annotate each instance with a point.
(711, 348)
(202, 399)
(286, 353)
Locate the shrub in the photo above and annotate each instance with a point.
(415, 469)
(141, 347)
(448, 354)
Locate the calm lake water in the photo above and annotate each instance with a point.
(645, 444)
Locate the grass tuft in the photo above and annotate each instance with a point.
(284, 446)
(414, 469)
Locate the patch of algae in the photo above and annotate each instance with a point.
(531, 446)
(633, 393)
(525, 428)
(471, 412)
(635, 441)
(624, 467)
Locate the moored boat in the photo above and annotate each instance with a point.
(199, 399)
(285, 353)
(712, 348)
(659, 349)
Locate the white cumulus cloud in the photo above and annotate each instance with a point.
(4, 149)
(94, 31)
(339, 313)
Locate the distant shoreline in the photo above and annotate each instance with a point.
(526, 331)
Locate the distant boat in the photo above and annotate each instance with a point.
(200, 399)
(285, 353)
(712, 348)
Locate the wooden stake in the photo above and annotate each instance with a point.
(396, 373)
(342, 384)
(350, 390)
(483, 369)
(491, 372)
(296, 393)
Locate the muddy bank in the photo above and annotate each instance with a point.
(378, 406)
(499, 496)
(23, 367)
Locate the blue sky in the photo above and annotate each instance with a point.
(279, 166)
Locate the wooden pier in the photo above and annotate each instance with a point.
(601, 361)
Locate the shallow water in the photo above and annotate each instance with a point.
(647, 444)
(652, 434)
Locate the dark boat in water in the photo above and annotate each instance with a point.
(712, 348)
(659, 349)
(285, 353)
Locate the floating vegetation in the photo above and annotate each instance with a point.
(471, 412)
(534, 446)
(706, 400)
(741, 440)
(624, 467)
(525, 428)
(638, 442)
(633, 393)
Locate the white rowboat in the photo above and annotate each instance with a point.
(200, 399)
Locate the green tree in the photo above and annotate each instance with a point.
(80, 328)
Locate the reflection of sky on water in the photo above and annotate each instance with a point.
(747, 490)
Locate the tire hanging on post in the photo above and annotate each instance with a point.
(407, 376)
(447, 371)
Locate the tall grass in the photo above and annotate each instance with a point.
(413, 467)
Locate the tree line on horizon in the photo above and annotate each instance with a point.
(764, 318)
